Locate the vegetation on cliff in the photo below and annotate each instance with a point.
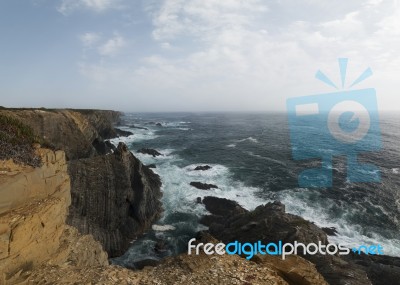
(16, 142)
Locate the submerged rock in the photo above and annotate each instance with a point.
(203, 186)
(149, 151)
(122, 133)
(330, 231)
(203, 167)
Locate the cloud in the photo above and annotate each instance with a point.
(112, 46)
(89, 39)
(243, 55)
(68, 6)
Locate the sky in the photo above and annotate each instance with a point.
(193, 55)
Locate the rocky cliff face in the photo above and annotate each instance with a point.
(114, 197)
(70, 130)
(32, 218)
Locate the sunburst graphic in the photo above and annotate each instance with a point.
(343, 71)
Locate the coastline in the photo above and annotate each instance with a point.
(109, 183)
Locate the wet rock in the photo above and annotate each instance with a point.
(149, 151)
(222, 207)
(330, 231)
(151, 165)
(122, 133)
(270, 223)
(203, 186)
(203, 167)
(161, 246)
(198, 200)
(159, 125)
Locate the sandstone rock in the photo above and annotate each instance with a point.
(294, 269)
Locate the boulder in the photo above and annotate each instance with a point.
(203, 167)
(203, 186)
(149, 151)
(122, 133)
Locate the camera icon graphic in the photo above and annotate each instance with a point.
(343, 123)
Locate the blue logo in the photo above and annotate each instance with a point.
(342, 123)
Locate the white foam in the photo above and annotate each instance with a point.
(395, 170)
(163, 228)
(251, 139)
(348, 235)
(231, 145)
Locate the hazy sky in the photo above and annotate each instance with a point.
(193, 55)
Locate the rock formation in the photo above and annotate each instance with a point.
(149, 151)
(34, 206)
(114, 197)
(203, 186)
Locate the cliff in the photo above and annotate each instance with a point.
(34, 206)
(114, 197)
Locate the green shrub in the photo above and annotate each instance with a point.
(16, 142)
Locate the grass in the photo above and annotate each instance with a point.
(16, 142)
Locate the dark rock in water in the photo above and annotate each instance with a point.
(330, 231)
(150, 151)
(114, 198)
(203, 167)
(203, 186)
(198, 200)
(270, 223)
(381, 269)
(136, 127)
(151, 165)
(122, 133)
(222, 207)
(158, 125)
(160, 246)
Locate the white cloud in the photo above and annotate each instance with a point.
(68, 6)
(238, 54)
(90, 39)
(112, 46)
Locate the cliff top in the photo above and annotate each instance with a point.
(16, 141)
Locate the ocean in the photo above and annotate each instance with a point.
(251, 159)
